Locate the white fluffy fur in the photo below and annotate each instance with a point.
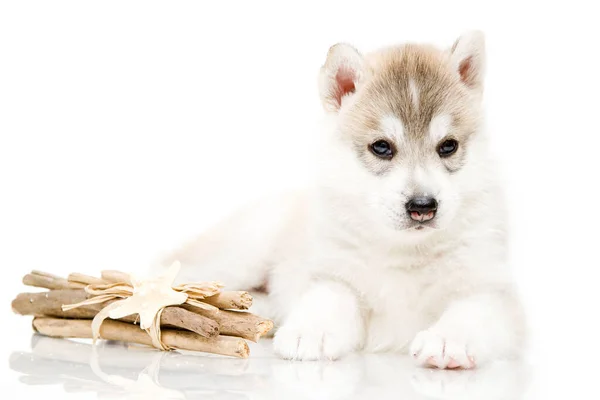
(414, 93)
(392, 128)
(343, 278)
(438, 127)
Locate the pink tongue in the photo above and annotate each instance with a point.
(415, 215)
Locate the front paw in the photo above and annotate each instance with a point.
(325, 324)
(308, 343)
(435, 349)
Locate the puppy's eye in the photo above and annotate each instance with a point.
(382, 149)
(447, 148)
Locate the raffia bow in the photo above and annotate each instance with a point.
(148, 298)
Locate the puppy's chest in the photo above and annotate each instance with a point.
(395, 281)
(395, 296)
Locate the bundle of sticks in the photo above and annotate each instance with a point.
(223, 329)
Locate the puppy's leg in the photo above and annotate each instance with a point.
(240, 250)
(471, 332)
(326, 323)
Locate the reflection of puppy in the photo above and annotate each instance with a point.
(380, 375)
(402, 237)
(499, 381)
(318, 380)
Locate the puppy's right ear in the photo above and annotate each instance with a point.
(343, 71)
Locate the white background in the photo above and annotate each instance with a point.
(127, 127)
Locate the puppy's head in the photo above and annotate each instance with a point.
(405, 118)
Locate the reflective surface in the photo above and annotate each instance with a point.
(114, 370)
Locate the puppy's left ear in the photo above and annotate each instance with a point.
(468, 58)
(342, 73)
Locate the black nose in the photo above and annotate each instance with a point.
(422, 208)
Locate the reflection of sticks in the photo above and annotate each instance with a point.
(115, 330)
(56, 369)
(49, 304)
(120, 355)
(172, 376)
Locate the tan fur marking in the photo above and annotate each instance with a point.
(388, 92)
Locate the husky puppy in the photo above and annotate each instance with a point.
(400, 244)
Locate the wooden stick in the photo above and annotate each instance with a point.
(50, 304)
(88, 280)
(42, 273)
(113, 276)
(237, 323)
(114, 330)
(48, 281)
(230, 300)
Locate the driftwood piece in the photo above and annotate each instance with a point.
(49, 281)
(237, 323)
(115, 330)
(85, 279)
(50, 304)
(230, 300)
(113, 276)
